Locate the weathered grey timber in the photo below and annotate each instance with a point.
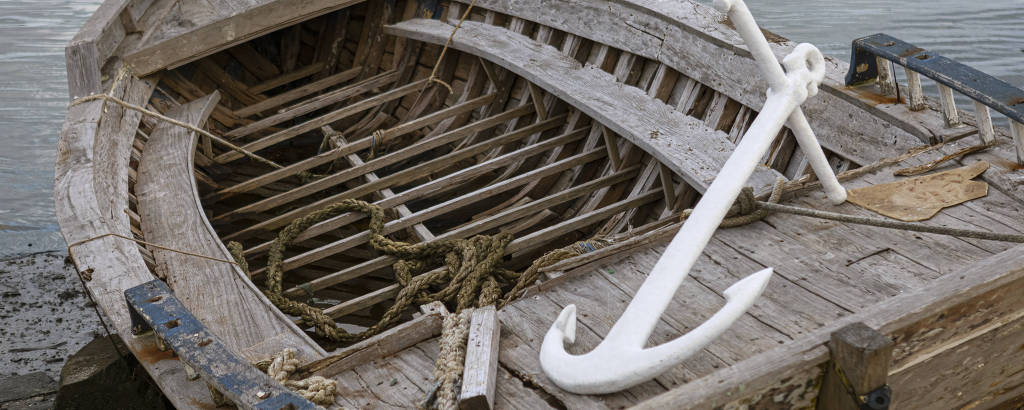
(553, 121)
(217, 293)
(200, 28)
(687, 146)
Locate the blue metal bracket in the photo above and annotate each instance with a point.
(975, 84)
(152, 306)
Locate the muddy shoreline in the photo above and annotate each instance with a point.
(45, 315)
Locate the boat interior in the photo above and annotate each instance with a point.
(524, 124)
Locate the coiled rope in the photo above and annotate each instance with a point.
(472, 276)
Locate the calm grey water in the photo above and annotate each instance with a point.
(987, 35)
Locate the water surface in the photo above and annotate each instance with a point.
(33, 97)
(33, 92)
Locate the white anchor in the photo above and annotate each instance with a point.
(620, 361)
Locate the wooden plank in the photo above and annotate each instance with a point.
(418, 217)
(694, 40)
(354, 160)
(525, 243)
(374, 164)
(915, 95)
(315, 103)
(345, 112)
(980, 372)
(387, 343)
(365, 143)
(479, 379)
(331, 43)
(922, 323)
(690, 148)
(254, 62)
(89, 193)
(298, 92)
(217, 293)
(860, 364)
(209, 33)
(286, 78)
(291, 45)
(83, 67)
(103, 30)
(949, 111)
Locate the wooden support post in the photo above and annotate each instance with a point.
(915, 99)
(479, 379)
(668, 187)
(861, 357)
(1017, 131)
(984, 118)
(948, 106)
(612, 145)
(886, 81)
(538, 101)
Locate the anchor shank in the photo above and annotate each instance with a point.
(658, 290)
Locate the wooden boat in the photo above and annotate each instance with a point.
(564, 121)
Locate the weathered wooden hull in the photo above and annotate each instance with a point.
(565, 121)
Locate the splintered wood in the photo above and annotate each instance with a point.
(920, 198)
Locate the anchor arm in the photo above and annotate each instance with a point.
(621, 359)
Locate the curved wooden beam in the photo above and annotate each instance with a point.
(691, 149)
(217, 293)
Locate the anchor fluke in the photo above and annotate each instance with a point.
(619, 363)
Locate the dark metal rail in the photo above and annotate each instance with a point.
(869, 60)
(153, 307)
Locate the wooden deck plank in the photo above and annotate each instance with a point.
(521, 336)
(195, 31)
(600, 301)
(389, 383)
(685, 144)
(693, 304)
(512, 394)
(784, 305)
(923, 323)
(217, 293)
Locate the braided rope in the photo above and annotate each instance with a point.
(317, 389)
(451, 359)
(472, 276)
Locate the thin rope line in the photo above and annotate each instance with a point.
(172, 121)
(444, 50)
(74, 260)
(892, 224)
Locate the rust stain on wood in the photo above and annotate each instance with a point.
(868, 95)
(911, 52)
(151, 355)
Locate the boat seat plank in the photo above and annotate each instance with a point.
(217, 293)
(683, 143)
(197, 28)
